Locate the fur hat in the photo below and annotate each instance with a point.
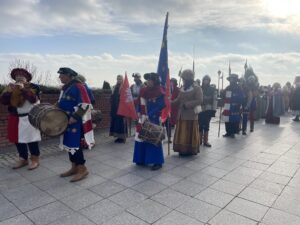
(187, 75)
(21, 72)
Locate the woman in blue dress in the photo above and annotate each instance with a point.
(151, 102)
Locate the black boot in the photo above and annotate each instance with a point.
(251, 126)
(156, 167)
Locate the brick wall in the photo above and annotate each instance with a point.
(102, 103)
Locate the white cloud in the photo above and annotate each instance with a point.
(40, 17)
(118, 17)
(269, 67)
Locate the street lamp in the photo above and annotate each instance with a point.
(219, 74)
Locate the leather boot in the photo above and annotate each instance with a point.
(206, 144)
(35, 162)
(20, 163)
(81, 173)
(70, 172)
(251, 126)
(201, 138)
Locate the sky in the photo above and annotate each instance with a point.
(101, 39)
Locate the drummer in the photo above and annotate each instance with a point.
(74, 100)
(150, 102)
(20, 97)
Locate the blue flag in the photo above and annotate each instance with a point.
(163, 67)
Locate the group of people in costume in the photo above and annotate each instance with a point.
(75, 100)
(192, 107)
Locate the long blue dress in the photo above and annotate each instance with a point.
(146, 153)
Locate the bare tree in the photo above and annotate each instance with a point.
(39, 77)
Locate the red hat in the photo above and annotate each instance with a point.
(297, 80)
(21, 72)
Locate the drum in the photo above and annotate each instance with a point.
(96, 115)
(152, 133)
(49, 119)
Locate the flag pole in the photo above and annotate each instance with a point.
(129, 119)
(221, 105)
(169, 113)
(169, 134)
(194, 59)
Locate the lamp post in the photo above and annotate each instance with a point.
(219, 74)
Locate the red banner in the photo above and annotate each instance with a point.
(126, 105)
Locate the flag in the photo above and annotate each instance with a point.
(163, 72)
(126, 106)
(163, 68)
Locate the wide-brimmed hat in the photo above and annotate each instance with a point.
(233, 77)
(67, 71)
(151, 76)
(187, 75)
(21, 72)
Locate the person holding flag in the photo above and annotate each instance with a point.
(126, 106)
(151, 102)
(118, 127)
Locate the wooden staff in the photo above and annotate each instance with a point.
(179, 74)
(221, 107)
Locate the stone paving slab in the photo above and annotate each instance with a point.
(249, 180)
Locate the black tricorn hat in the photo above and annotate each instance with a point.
(68, 71)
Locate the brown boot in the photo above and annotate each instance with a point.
(35, 162)
(206, 144)
(20, 163)
(201, 138)
(82, 172)
(70, 172)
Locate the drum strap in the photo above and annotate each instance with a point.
(22, 114)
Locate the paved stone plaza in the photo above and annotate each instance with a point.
(253, 179)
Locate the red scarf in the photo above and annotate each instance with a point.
(152, 92)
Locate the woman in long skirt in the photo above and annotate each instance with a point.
(151, 102)
(187, 138)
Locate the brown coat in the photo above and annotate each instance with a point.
(187, 101)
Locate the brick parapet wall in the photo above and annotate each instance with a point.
(102, 103)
